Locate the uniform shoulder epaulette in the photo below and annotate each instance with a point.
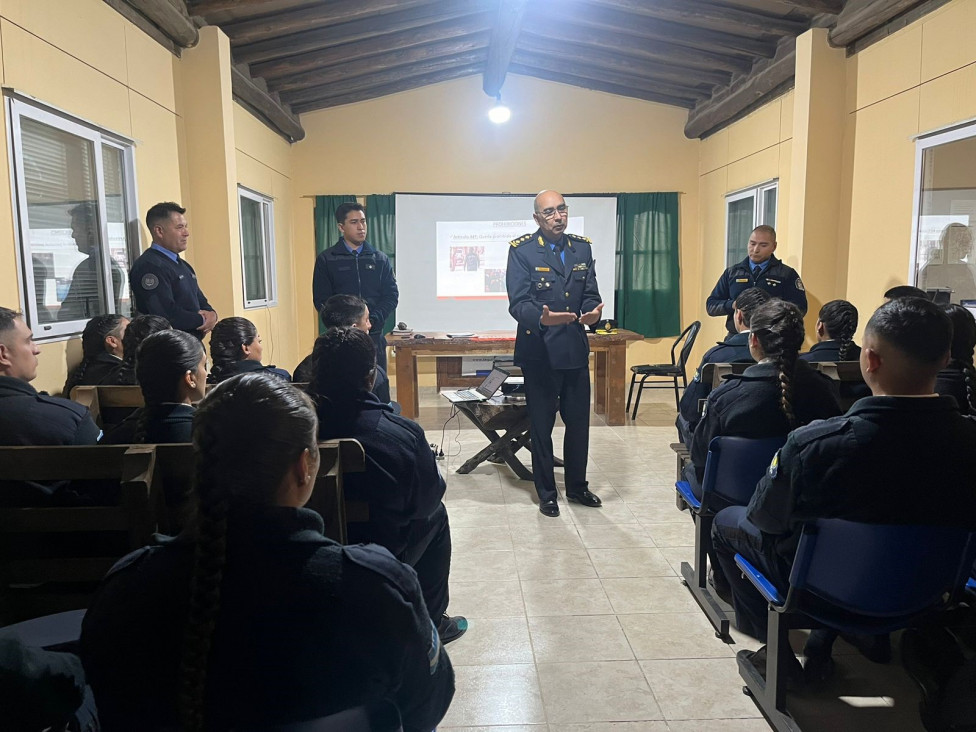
(817, 430)
(577, 237)
(521, 240)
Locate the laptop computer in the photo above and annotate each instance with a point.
(486, 390)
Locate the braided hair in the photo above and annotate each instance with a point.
(343, 365)
(162, 361)
(139, 328)
(226, 341)
(92, 344)
(963, 344)
(748, 300)
(271, 422)
(839, 319)
(778, 326)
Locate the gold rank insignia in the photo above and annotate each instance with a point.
(580, 267)
(543, 269)
(521, 240)
(741, 279)
(577, 237)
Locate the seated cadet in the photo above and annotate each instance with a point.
(347, 311)
(252, 618)
(836, 325)
(172, 371)
(864, 466)
(139, 328)
(236, 348)
(31, 418)
(401, 484)
(958, 378)
(101, 353)
(734, 349)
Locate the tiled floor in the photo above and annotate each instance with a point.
(580, 623)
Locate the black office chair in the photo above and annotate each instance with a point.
(673, 371)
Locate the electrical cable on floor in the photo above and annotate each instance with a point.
(454, 413)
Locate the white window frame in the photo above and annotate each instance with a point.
(19, 107)
(923, 143)
(758, 192)
(268, 230)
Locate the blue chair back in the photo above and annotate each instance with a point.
(735, 465)
(880, 572)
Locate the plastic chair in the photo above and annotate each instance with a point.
(733, 467)
(854, 578)
(673, 371)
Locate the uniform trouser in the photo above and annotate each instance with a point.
(544, 387)
(380, 342)
(429, 553)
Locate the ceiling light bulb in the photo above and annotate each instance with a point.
(499, 114)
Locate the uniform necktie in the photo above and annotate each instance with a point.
(560, 250)
(755, 271)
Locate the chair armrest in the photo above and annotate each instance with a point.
(765, 587)
(684, 490)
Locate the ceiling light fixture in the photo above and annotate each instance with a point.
(499, 114)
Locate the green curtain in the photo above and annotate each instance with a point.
(647, 293)
(326, 233)
(381, 218)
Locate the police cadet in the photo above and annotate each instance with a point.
(552, 293)
(353, 267)
(165, 285)
(30, 418)
(760, 269)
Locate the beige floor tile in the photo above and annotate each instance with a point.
(648, 595)
(497, 728)
(658, 512)
(473, 498)
(679, 533)
(578, 638)
(550, 538)
(486, 599)
(609, 727)
(678, 554)
(480, 538)
(613, 511)
(722, 725)
(602, 691)
(478, 517)
(644, 492)
(492, 642)
(630, 562)
(495, 695)
(525, 516)
(539, 564)
(613, 536)
(673, 635)
(483, 566)
(565, 597)
(699, 688)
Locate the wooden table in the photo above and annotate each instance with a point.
(609, 369)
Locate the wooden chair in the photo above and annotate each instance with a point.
(108, 405)
(55, 556)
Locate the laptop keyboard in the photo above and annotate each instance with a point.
(468, 394)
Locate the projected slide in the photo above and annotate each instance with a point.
(471, 255)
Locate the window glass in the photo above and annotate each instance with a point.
(745, 210)
(257, 248)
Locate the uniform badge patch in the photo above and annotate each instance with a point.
(741, 279)
(543, 269)
(799, 285)
(150, 282)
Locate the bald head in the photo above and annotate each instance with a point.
(551, 214)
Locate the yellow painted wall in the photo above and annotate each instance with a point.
(438, 139)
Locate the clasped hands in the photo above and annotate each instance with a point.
(565, 318)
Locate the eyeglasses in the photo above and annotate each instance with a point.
(548, 213)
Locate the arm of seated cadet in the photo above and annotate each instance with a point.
(774, 502)
(720, 302)
(87, 432)
(710, 426)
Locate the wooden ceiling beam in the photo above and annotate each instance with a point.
(561, 78)
(860, 17)
(726, 105)
(171, 18)
(614, 61)
(218, 12)
(831, 7)
(384, 78)
(309, 18)
(504, 36)
(382, 62)
(253, 94)
(281, 70)
(538, 62)
(728, 18)
(651, 29)
(402, 85)
(672, 53)
(357, 30)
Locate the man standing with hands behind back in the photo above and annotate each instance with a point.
(552, 293)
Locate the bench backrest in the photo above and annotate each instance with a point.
(713, 373)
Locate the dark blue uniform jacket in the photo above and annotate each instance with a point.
(166, 423)
(245, 366)
(163, 287)
(951, 381)
(30, 418)
(536, 277)
(778, 279)
(829, 352)
(734, 349)
(368, 276)
(306, 628)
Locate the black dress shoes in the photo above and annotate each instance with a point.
(586, 498)
(549, 508)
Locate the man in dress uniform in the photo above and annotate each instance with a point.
(163, 283)
(552, 293)
(760, 269)
(353, 267)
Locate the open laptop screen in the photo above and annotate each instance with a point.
(492, 383)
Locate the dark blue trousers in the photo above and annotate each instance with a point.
(429, 553)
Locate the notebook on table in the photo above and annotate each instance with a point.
(486, 390)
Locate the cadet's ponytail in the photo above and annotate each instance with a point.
(778, 326)
(839, 319)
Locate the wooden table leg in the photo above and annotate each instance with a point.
(600, 382)
(406, 383)
(616, 384)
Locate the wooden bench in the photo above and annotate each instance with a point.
(108, 405)
(848, 379)
(714, 372)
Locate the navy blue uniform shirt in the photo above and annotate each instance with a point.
(538, 276)
(778, 279)
(162, 286)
